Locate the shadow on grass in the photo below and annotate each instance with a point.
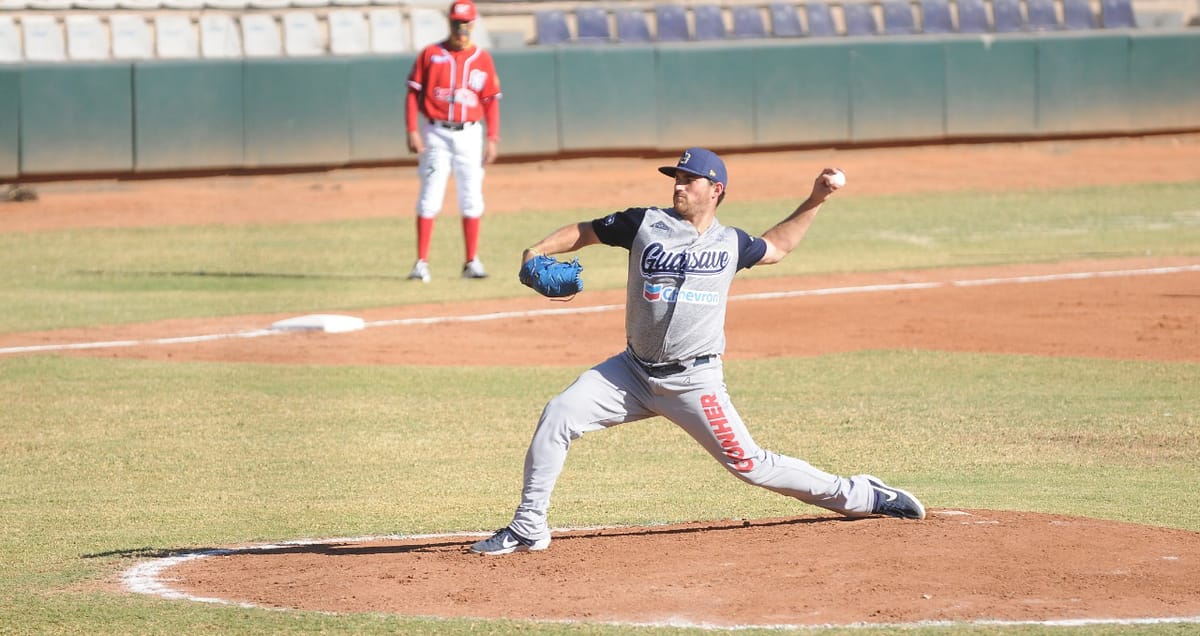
(146, 553)
(207, 274)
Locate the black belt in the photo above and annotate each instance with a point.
(671, 368)
(451, 125)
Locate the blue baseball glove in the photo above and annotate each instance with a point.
(551, 277)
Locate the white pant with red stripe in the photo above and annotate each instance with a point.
(618, 390)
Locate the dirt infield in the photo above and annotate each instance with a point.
(1136, 316)
(806, 570)
(954, 566)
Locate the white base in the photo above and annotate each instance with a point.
(328, 323)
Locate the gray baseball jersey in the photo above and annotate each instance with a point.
(678, 290)
(679, 281)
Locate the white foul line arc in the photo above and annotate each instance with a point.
(150, 578)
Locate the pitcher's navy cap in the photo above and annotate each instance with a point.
(700, 162)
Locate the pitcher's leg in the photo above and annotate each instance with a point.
(708, 415)
(598, 399)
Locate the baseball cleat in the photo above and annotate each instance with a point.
(420, 271)
(894, 502)
(505, 541)
(474, 269)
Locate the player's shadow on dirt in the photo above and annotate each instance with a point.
(418, 546)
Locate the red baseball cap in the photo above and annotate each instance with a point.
(462, 11)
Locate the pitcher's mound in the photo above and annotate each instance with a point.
(958, 565)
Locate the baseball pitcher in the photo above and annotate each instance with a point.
(681, 264)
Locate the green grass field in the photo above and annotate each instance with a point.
(109, 461)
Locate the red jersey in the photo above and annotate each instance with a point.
(450, 85)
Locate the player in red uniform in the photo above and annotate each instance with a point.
(453, 90)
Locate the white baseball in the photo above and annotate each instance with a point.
(837, 179)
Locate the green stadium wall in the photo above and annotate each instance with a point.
(593, 83)
(10, 123)
(76, 118)
(188, 116)
(63, 120)
(991, 88)
(377, 92)
(530, 111)
(1167, 67)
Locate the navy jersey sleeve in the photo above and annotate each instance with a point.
(619, 228)
(751, 249)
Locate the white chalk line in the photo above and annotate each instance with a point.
(564, 311)
(149, 577)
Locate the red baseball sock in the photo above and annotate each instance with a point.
(424, 237)
(471, 236)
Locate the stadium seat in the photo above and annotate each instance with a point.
(1042, 15)
(672, 23)
(935, 17)
(785, 21)
(898, 18)
(860, 19)
(302, 34)
(131, 39)
(972, 17)
(49, 5)
(748, 22)
(551, 25)
(87, 38)
(175, 37)
(1117, 14)
(1007, 16)
(709, 22)
(43, 37)
(1077, 15)
(10, 41)
(219, 36)
(388, 34)
(348, 32)
(632, 25)
(592, 24)
(94, 5)
(428, 26)
(820, 19)
(260, 35)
